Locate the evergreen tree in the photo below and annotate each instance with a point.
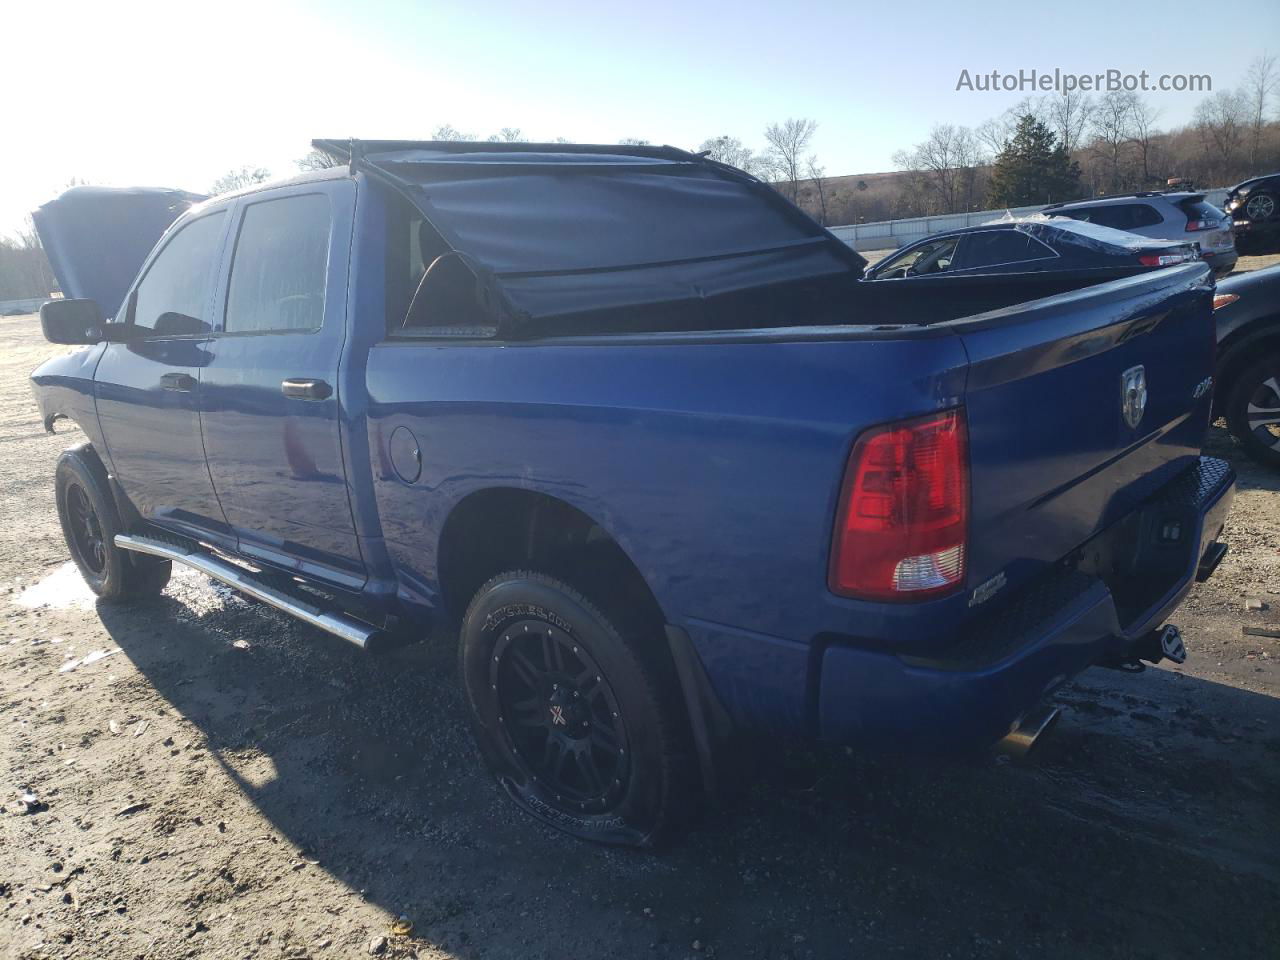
(1033, 168)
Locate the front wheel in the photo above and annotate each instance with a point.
(579, 719)
(90, 523)
(1253, 410)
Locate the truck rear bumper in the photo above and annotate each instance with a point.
(1094, 606)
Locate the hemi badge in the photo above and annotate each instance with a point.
(988, 590)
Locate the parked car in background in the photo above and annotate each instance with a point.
(1183, 216)
(1254, 208)
(967, 271)
(629, 423)
(1247, 310)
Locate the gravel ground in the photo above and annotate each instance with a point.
(227, 783)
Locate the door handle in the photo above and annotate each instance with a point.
(306, 389)
(180, 382)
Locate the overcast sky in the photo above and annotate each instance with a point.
(175, 94)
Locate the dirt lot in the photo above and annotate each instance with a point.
(227, 783)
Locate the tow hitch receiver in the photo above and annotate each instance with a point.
(1171, 646)
(1163, 644)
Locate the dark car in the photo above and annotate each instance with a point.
(1254, 207)
(1247, 310)
(967, 271)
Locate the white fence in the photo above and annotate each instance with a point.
(890, 234)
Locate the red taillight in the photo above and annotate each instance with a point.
(1202, 224)
(1165, 259)
(904, 511)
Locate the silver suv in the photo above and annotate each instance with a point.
(1165, 216)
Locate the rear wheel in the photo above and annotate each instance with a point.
(1260, 206)
(578, 718)
(1253, 410)
(89, 524)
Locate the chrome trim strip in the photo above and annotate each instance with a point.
(339, 624)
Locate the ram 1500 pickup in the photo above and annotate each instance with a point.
(628, 419)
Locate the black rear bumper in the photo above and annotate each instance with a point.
(1094, 606)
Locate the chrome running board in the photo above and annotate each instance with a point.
(363, 635)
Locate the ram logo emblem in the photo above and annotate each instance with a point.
(1133, 394)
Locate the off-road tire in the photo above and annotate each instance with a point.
(628, 674)
(90, 522)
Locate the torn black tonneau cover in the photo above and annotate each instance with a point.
(98, 237)
(564, 229)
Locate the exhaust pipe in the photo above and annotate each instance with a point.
(1026, 733)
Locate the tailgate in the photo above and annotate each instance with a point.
(1062, 443)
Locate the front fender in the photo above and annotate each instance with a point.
(63, 389)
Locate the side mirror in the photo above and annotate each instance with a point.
(71, 321)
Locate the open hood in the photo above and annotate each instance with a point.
(556, 230)
(98, 237)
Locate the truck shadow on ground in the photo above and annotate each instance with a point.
(1145, 825)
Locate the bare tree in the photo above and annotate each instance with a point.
(24, 268)
(508, 135)
(729, 150)
(994, 133)
(317, 160)
(788, 143)
(1110, 129)
(1143, 134)
(1259, 84)
(447, 131)
(1068, 117)
(635, 142)
(947, 161)
(1221, 121)
(238, 179)
(818, 175)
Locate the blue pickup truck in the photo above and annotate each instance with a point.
(630, 423)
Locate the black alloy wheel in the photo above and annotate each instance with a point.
(559, 715)
(577, 712)
(87, 540)
(90, 522)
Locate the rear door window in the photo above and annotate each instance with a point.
(173, 297)
(280, 265)
(993, 248)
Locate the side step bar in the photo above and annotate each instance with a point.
(363, 635)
